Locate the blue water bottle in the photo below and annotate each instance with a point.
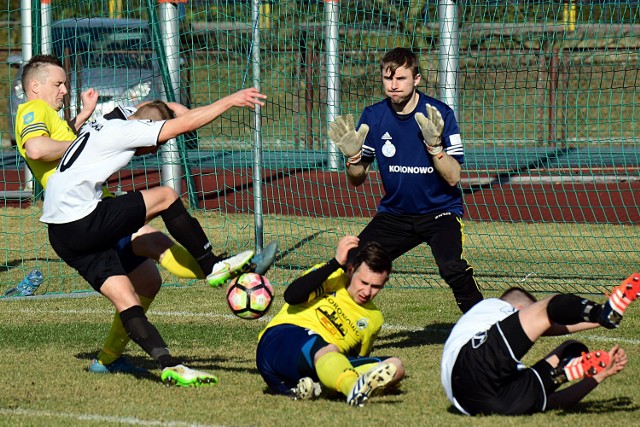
(28, 285)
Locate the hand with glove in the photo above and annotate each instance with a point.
(431, 129)
(342, 132)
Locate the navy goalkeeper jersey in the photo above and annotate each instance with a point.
(412, 185)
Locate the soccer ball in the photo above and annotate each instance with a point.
(249, 296)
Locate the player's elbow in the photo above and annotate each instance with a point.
(34, 152)
(356, 182)
(453, 180)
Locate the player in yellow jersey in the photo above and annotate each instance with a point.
(42, 138)
(327, 328)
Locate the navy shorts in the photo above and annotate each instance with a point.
(285, 354)
(98, 246)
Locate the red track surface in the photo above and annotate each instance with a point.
(327, 194)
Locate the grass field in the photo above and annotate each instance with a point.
(46, 345)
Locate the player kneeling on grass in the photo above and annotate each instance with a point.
(481, 368)
(84, 227)
(329, 315)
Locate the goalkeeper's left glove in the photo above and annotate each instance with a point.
(431, 129)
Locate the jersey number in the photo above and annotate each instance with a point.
(74, 150)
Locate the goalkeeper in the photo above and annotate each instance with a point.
(416, 141)
(329, 315)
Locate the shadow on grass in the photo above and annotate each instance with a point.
(210, 364)
(602, 406)
(436, 333)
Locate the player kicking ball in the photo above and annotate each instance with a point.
(83, 227)
(329, 314)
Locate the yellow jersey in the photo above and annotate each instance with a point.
(335, 316)
(37, 118)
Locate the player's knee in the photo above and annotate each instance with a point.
(329, 348)
(455, 270)
(169, 195)
(146, 279)
(400, 372)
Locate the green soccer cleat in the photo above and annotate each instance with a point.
(182, 376)
(306, 389)
(229, 268)
(371, 383)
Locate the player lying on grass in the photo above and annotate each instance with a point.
(84, 227)
(481, 368)
(42, 137)
(329, 314)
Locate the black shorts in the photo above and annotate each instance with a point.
(488, 377)
(90, 245)
(398, 234)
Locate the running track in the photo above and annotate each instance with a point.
(547, 188)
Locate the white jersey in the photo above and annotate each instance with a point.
(103, 147)
(476, 321)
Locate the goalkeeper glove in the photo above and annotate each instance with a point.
(431, 129)
(342, 131)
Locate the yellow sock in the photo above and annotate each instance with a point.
(364, 368)
(336, 372)
(179, 262)
(118, 339)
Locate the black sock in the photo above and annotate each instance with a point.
(143, 333)
(569, 309)
(189, 233)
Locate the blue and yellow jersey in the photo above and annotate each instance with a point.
(335, 316)
(37, 118)
(412, 186)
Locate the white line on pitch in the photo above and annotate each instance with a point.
(444, 331)
(100, 418)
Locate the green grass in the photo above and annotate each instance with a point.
(541, 256)
(46, 345)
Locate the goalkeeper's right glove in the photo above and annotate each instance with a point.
(342, 132)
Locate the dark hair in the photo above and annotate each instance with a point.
(155, 110)
(36, 64)
(516, 295)
(400, 57)
(376, 258)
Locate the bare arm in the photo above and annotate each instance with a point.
(573, 394)
(198, 117)
(357, 173)
(45, 149)
(448, 168)
(89, 102)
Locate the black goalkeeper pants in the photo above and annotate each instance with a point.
(398, 234)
